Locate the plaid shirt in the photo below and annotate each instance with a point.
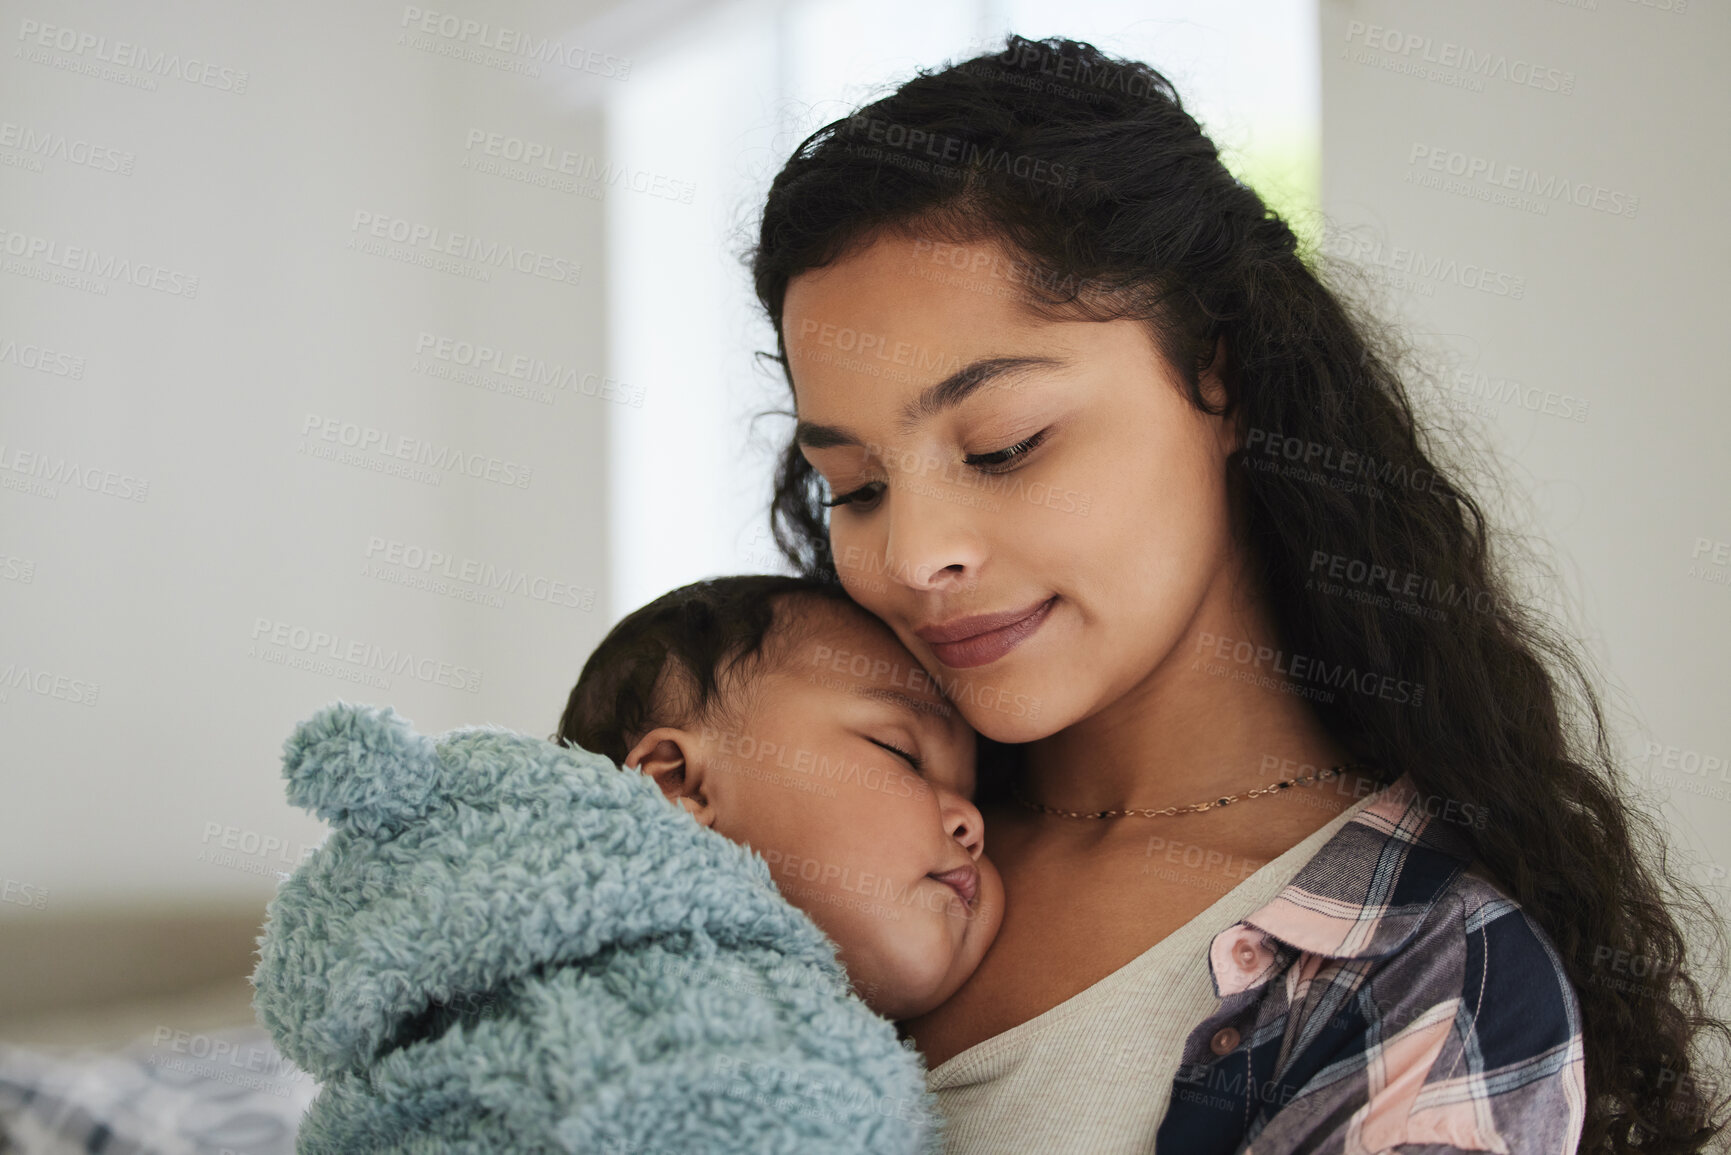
(1387, 1000)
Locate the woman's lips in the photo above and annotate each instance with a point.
(964, 880)
(992, 644)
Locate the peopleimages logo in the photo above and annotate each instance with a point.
(585, 167)
(1545, 187)
(440, 572)
(946, 152)
(58, 146)
(362, 440)
(1300, 669)
(538, 377)
(1449, 57)
(432, 241)
(24, 894)
(45, 473)
(1401, 264)
(1465, 388)
(106, 266)
(320, 651)
(481, 34)
(46, 683)
(43, 360)
(125, 54)
(1332, 573)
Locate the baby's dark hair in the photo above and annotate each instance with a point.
(689, 658)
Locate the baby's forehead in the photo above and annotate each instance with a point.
(845, 640)
(822, 628)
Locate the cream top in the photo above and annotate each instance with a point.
(1094, 1074)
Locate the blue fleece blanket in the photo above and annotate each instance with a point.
(508, 945)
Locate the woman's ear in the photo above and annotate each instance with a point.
(669, 755)
(1228, 428)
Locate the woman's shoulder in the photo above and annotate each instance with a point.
(1401, 884)
(1480, 949)
(1458, 922)
(1477, 1009)
(1393, 988)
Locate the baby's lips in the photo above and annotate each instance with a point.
(965, 880)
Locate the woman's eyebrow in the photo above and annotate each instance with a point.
(934, 399)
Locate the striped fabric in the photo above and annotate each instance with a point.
(1388, 999)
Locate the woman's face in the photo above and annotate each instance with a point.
(1049, 475)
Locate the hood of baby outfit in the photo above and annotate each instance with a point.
(460, 864)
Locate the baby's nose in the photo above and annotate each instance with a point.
(962, 820)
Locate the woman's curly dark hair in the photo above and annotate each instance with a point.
(1115, 204)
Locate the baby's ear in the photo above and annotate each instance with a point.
(362, 767)
(667, 755)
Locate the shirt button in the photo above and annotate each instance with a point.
(1223, 1041)
(1246, 955)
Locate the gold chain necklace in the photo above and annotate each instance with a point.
(1168, 811)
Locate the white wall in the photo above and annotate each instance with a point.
(156, 602)
(1591, 359)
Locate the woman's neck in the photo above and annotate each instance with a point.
(1210, 720)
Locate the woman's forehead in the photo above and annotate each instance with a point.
(900, 279)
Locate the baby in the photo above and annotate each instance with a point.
(507, 944)
(784, 717)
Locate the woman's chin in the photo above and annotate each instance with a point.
(1022, 718)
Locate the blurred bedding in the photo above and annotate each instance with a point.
(149, 1078)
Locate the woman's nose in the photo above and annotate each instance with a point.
(933, 541)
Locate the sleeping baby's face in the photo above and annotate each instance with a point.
(851, 775)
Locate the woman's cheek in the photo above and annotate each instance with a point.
(859, 565)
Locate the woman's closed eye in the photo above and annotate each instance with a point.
(993, 462)
(853, 497)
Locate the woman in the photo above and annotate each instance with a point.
(1271, 749)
